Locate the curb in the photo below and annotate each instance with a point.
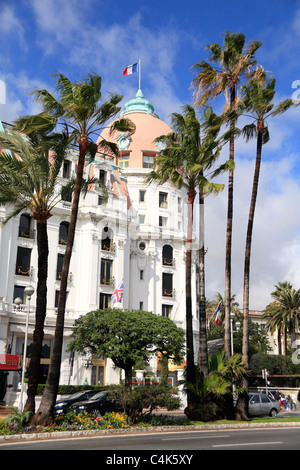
(156, 429)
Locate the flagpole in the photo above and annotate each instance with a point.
(139, 74)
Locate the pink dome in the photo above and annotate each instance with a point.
(148, 128)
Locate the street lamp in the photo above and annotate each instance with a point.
(232, 315)
(29, 290)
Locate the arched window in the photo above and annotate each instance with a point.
(63, 233)
(107, 239)
(25, 226)
(167, 255)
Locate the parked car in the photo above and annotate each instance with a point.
(61, 406)
(97, 405)
(262, 405)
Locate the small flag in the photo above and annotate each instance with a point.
(118, 294)
(218, 314)
(130, 69)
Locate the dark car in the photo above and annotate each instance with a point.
(62, 406)
(98, 405)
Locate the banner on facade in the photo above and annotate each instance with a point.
(9, 362)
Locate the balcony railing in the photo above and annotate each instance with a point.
(22, 270)
(170, 293)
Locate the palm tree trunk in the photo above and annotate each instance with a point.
(203, 355)
(40, 314)
(190, 364)
(242, 406)
(44, 414)
(227, 340)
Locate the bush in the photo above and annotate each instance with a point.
(149, 397)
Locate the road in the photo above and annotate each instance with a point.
(180, 444)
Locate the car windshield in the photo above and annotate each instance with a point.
(75, 395)
(99, 395)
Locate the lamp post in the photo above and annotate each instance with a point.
(29, 290)
(232, 315)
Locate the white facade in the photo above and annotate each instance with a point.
(138, 237)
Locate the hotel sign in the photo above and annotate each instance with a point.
(9, 362)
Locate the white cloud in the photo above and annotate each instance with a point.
(275, 253)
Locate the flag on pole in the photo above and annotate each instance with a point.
(130, 69)
(218, 314)
(118, 294)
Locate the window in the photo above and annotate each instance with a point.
(106, 272)
(166, 310)
(163, 200)
(162, 222)
(102, 177)
(148, 161)
(66, 193)
(63, 233)
(179, 201)
(100, 200)
(67, 169)
(141, 306)
(19, 292)
(167, 285)
(107, 239)
(56, 298)
(167, 255)
(23, 261)
(142, 196)
(141, 275)
(60, 259)
(25, 226)
(142, 218)
(124, 160)
(104, 301)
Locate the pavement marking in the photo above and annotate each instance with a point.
(189, 438)
(247, 444)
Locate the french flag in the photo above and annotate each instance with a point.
(130, 69)
(218, 314)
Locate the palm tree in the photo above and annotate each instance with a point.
(78, 109)
(283, 313)
(28, 182)
(184, 160)
(257, 100)
(236, 63)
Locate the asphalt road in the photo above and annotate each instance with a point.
(181, 447)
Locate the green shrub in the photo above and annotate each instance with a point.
(149, 397)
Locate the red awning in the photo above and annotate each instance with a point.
(9, 362)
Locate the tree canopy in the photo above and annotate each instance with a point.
(127, 337)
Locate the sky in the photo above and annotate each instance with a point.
(73, 37)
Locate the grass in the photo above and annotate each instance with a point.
(266, 419)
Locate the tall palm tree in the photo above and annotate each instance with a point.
(258, 101)
(284, 311)
(235, 64)
(28, 182)
(78, 108)
(183, 161)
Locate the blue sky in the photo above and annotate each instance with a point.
(75, 37)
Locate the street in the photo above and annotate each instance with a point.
(182, 444)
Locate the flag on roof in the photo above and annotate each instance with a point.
(218, 314)
(130, 69)
(118, 294)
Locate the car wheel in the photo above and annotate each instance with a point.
(96, 413)
(273, 412)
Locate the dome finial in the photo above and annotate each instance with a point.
(139, 105)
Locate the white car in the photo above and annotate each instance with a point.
(262, 405)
